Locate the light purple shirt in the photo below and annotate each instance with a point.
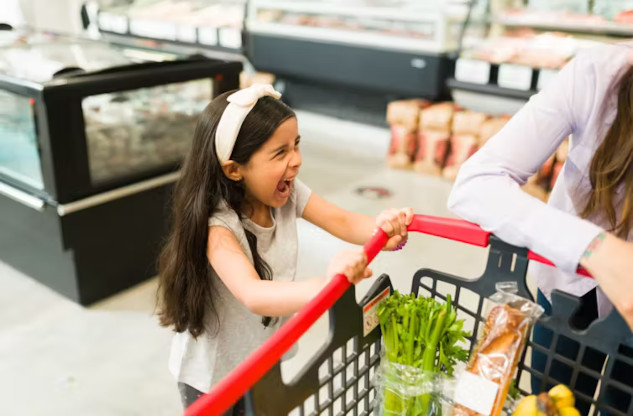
(581, 100)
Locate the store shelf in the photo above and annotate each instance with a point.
(490, 89)
(224, 39)
(406, 13)
(216, 52)
(366, 39)
(560, 25)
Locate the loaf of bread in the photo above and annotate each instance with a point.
(497, 354)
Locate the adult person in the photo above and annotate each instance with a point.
(589, 216)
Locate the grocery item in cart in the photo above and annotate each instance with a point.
(493, 363)
(559, 401)
(421, 338)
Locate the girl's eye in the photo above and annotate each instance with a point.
(281, 152)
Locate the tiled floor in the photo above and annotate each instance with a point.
(57, 358)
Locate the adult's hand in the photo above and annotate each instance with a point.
(610, 261)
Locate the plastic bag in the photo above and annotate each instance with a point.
(482, 389)
(403, 390)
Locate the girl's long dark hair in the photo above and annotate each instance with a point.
(185, 292)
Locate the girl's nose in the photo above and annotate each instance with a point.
(297, 159)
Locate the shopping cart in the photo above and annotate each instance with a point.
(338, 380)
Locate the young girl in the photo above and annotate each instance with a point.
(237, 201)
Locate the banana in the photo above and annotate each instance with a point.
(562, 396)
(539, 405)
(568, 411)
(527, 407)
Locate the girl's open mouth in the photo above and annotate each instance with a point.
(284, 187)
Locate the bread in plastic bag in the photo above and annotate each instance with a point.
(494, 360)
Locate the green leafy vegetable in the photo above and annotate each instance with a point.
(421, 333)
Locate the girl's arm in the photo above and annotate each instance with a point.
(266, 297)
(354, 227)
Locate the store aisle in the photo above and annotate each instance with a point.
(58, 358)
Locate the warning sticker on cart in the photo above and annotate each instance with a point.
(476, 393)
(370, 312)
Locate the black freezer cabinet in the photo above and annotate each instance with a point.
(91, 138)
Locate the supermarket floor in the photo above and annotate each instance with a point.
(57, 358)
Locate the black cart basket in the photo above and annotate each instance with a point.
(338, 380)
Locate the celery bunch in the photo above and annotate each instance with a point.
(420, 333)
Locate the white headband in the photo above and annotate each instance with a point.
(240, 104)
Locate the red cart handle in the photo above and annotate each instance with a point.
(245, 375)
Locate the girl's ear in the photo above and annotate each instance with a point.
(232, 170)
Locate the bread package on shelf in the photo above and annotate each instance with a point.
(434, 134)
(403, 117)
(462, 146)
(433, 147)
(405, 113)
(402, 148)
(468, 122)
(437, 117)
(464, 141)
(491, 127)
(493, 363)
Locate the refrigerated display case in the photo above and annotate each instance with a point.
(512, 48)
(91, 138)
(209, 25)
(388, 46)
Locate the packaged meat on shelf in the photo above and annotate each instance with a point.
(203, 23)
(138, 130)
(513, 49)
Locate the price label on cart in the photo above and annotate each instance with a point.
(545, 76)
(472, 70)
(116, 23)
(370, 312)
(208, 36)
(476, 393)
(230, 37)
(518, 77)
(187, 34)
